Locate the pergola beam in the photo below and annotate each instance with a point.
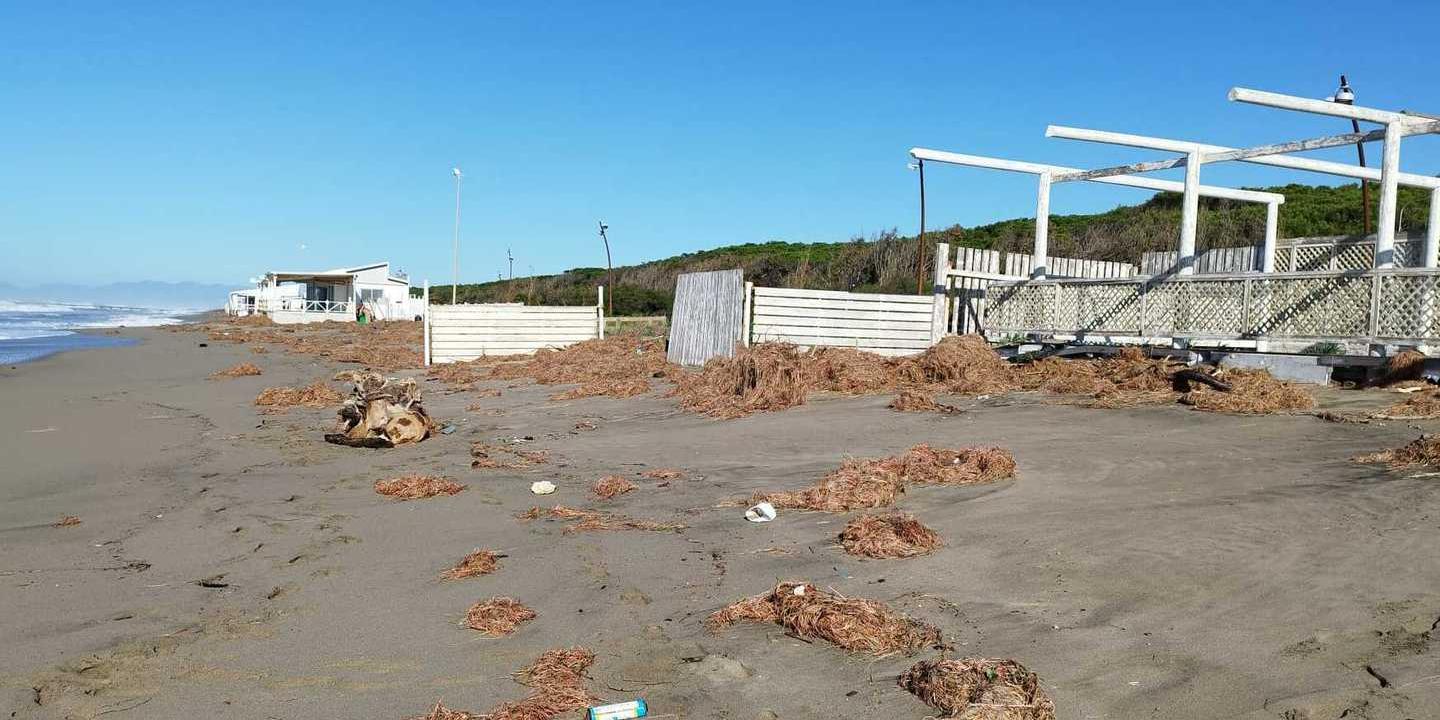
(1318, 107)
(1397, 125)
(1319, 143)
(1046, 173)
(1324, 167)
(1142, 183)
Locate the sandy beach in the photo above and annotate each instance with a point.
(1148, 563)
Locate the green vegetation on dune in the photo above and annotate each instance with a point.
(887, 262)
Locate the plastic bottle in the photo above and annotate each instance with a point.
(620, 711)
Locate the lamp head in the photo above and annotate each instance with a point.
(1344, 94)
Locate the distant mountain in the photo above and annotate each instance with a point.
(144, 293)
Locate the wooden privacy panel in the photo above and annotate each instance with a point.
(708, 319)
(883, 324)
(466, 332)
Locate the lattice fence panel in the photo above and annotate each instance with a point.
(1283, 255)
(1409, 307)
(1211, 307)
(1354, 257)
(1313, 257)
(1311, 306)
(1162, 304)
(1408, 254)
(1066, 313)
(1019, 307)
(1108, 307)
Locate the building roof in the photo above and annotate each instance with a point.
(343, 273)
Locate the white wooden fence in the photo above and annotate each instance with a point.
(455, 333)
(963, 281)
(882, 324)
(1385, 305)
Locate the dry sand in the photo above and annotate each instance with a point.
(1147, 563)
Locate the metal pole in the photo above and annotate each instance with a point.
(455, 259)
(1346, 96)
(1041, 251)
(609, 271)
(1364, 185)
(1190, 214)
(920, 240)
(1389, 189)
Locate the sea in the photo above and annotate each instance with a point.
(32, 330)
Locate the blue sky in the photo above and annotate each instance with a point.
(209, 142)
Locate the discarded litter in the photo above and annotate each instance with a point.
(542, 487)
(620, 711)
(760, 512)
(447, 429)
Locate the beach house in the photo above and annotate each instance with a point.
(340, 294)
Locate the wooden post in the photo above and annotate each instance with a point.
(1041, 251)
(1272, 232)
(1432, 231)
(600, 309)
(746, 302)
(937, 291)
(1389, 189)
(425, 320)
(1189, 214)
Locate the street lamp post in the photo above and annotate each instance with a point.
(919, 165)
(609, 271)
(1346, 96)
(455, 258)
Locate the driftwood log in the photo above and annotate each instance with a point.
(382, 412)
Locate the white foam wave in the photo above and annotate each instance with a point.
(134, 320)
(11, 306)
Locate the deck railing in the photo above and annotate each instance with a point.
(1375, 305)
(299, 304)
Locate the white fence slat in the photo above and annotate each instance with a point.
(908, 308)
(774, 310)
(841, 295)
(466, 332)
(885, 323)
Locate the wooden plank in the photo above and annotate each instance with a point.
(888, 352)
(441, 347)
(708, 319)
(768, 292)
(831, 304)
(523, 324)
(830, 341)
(513, 337)
(842, 322)
(829, 331)
(535, 312)
(840, 313)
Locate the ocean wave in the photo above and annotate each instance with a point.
(12, 306)
(134, 320)
(16, 333)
